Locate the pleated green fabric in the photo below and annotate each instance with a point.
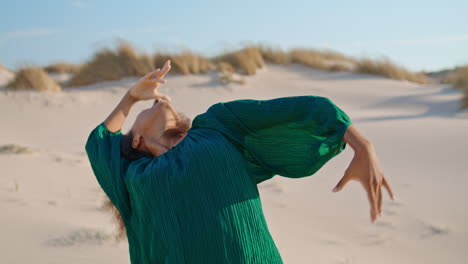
(199, 202)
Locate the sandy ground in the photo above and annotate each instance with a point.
(50, 200)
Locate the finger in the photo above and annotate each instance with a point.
(387, 187)
(379, 200)
(152, 74)
(372, 202)
(165, 69)
(160, 81)
(341, 184)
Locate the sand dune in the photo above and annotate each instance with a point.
(5, 76)
(51, 200)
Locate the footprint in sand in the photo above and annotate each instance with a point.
(272, 186)
(83, 236)
(385, 224)
(346, 260)
(434, 230)
(15, 200)
(332, 242)
(391, 208)
(389, 212)
(374, 239)
(59, 158)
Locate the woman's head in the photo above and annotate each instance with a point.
(155, 131)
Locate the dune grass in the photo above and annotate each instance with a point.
(322, 59)
(246, 60)
(185, 63)
(108, 65)
(124, 62)
(62, 67)
(33, 78)
(385, 67)
(274, 55)
(459, 79)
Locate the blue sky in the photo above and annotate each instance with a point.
(420, 35)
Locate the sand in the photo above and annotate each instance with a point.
(50, 199)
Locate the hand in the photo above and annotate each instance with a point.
(366, 169)
(146, 87)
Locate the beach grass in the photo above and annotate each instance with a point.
(385, 67)
(108, 65)
(459, 79)
(62, 67)
(33, 78)
(184, 63)
(125, 61)
(246, 60)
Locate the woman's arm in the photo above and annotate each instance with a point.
(144, 89)
(366, 169)
(116, 119)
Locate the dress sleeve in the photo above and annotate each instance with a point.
(289, 136)
(109, 167)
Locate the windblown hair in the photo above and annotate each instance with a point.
(182, 127)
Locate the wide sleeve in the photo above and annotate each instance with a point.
(289, 136)
(109, 167)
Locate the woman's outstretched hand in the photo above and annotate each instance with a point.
(365, 168)
(147, 87)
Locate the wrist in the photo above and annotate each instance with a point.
(357, 141)
(130, 97)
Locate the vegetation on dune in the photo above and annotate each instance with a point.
(62, 67)
(108, 65)
(33, 78)
(459, 79)
(274, 56)
(185, 63)
(124, 61)
(246, 60)
(385, 67)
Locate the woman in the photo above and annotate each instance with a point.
(189, 194)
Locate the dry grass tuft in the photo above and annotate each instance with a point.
(185, 63)
(275, 56)
(108, 65)
(321, 59)
(246, 60)
(338, 67)
(459, 79)
(384, 67)
(62, 67)
(33, 78)
(308, 59)
(227, 74)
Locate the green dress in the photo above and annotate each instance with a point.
(199, 202)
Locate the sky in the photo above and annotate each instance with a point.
(419, 35)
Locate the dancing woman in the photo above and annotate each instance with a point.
(187, 193)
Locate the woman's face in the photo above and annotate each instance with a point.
(159, 128)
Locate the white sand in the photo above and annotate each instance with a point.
(49, 199)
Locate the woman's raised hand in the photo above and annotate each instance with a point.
(146, 87)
